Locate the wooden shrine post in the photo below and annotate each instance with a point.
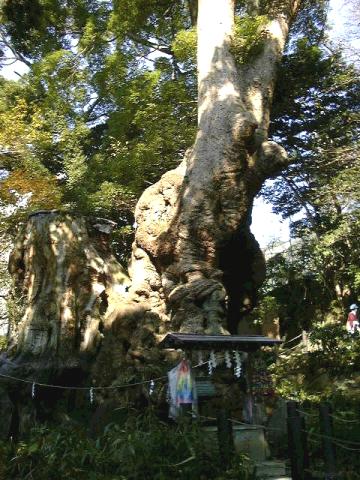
(249, 388)
(225, 437)
(297, 440)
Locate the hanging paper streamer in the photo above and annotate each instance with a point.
(91, 394)
(200, 358)
(151, 387)
(212, 363)
(237, 367)
(213, 359)
(182, 388)
(227, 359)
(33, 390)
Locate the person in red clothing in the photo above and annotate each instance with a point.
(352, 324)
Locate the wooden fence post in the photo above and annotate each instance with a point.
(297, 441)
(326, 429)
(306, 458)
(225, 437)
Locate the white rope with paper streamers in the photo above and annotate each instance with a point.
(238, 366)
(212, 363)
(91, 395)
(227, 358)
(151, 387)
(213, 358)
(92, 390)
(68, 387)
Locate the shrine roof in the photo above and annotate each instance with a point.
(219, 342)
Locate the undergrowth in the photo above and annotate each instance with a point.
(142, 448)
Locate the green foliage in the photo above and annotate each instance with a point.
(31, 24)
(315, 117)
(330, 369)
(249, 37)
(267, 309)
(184, 45)
(268, 304)
(97, 116)
(3, 345)
(43, 189)
(142, 448)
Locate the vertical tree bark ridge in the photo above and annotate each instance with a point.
(189, 221)
(65, 271)
(257, 79)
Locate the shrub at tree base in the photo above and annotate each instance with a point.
(142, 448)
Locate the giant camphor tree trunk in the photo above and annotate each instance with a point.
(195, 260)
(195, 264)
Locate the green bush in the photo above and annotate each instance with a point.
(328, 369)
(142, 448)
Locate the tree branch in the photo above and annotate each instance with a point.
(293, 187)
(147, 43)
(16, 54)
(193, 10)
(91, 109)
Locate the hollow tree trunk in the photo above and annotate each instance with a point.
(194, 259)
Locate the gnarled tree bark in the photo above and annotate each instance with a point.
(194, 256)
(64, 271)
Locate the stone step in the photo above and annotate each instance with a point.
(274, 478)
(271, 477)
(270, 470)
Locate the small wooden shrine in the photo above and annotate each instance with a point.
(226, 380)
(233, 352)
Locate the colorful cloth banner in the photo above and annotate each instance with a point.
(182, 388)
